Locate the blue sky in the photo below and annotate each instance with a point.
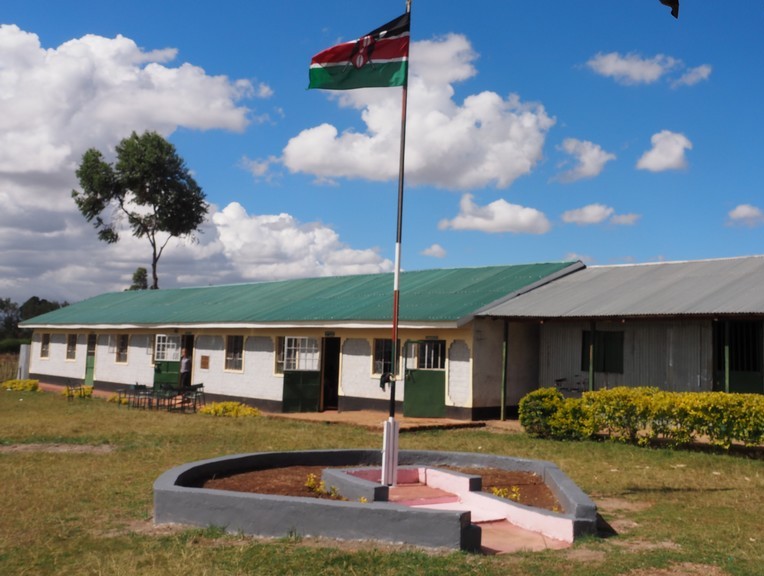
(538, 131)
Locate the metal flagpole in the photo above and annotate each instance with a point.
(390, 438)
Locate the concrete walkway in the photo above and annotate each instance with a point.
(374, 420)
(498, 536)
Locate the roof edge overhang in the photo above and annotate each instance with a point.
(574, 267)
(164, 327)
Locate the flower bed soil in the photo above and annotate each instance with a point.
(292, 480)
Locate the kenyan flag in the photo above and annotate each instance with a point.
(377, 60)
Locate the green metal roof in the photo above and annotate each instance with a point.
(446, 295)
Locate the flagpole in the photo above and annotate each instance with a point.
(390, 439)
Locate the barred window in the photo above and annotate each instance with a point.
(120, 356)
(71, 346)
(383, 350)
(234, 353)
(608, 351)
(430, 354)
(45, 346)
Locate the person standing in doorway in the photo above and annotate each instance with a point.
(185, 370)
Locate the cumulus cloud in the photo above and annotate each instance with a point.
(590, 159)
(745, 215)
(497, 217)
(667, 153)
(92, 92)
(485, 140)
(435, 251)
(271, 246)
(596, 214)
(693, 76)
(632, 69)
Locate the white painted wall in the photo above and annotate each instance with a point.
(459, 384)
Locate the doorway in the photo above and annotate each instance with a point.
(330, 373)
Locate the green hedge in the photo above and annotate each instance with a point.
(644, 415)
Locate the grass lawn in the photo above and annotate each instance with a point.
(88, 512)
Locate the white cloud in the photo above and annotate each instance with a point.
(590, 158)
(596, 214)
(625, 219)
(632, 68)
(693, 76)
(92, 91)
(591, 214)
(271, 246)
(486, 140)
(435, 251)
(746, 215)
(667, 152)
(497, 217)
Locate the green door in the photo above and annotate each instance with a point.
(302, 391)
(90, 360)
(167, 374)
(424, 394)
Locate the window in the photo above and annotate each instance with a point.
(234, 348)
(608, 351)
(744, 339)
(429, 354)
(71, 346)
(166, 348)
(45, 346)
(383, 350)
(121, 353)
(301, 353)
(279, 363)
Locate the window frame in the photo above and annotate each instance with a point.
(121, 348)
(301, 354)
(166, 348)
(608, 351)
(234, 354)
(45, 345)
(71, 347)
(427, 357)
(381, 357)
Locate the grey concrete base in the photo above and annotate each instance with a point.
(179, 498)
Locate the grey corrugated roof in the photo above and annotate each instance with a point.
(703, 287)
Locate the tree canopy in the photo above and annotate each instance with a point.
(149, 185)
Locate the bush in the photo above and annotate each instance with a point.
(646, 414)
(536, 410)
(21, 385)
(229, 409)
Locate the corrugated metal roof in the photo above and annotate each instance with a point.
(703, 287)
(446, 295)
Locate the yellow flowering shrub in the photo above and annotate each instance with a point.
(229, 410)
(21, 385)
(645, 414)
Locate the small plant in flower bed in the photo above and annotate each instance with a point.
(21, 385)
(512, 493)
(645, 415)
(229, 409)
(318, 487)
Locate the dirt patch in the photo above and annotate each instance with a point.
(682, 569)
(524, 487)
(59, 448)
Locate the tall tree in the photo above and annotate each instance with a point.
(149, 185)
(140, 279)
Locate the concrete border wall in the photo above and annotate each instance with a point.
(180, 499)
